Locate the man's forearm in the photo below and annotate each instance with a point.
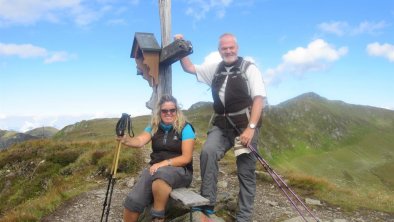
(257, 108)
(187, 65)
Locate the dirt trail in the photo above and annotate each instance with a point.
(270, 204)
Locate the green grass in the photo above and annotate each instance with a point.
(360, 175)
(37, 176)
(339, 153)
(97, 130)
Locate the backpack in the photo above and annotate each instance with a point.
(242, 67)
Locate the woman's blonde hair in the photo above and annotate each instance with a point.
(180, 119)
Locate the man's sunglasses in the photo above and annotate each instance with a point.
(165, 111)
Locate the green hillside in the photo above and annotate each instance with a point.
(97, 130)
(43, 132)
(337, 152)
(37, 176)
(8, 138)
(350, 146)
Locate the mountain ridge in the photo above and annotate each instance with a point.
(10, 137)
(330, 145)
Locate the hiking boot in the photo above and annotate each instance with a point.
(158, 219)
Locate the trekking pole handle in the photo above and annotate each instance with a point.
(123, 123)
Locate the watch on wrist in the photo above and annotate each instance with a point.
(252, 125)
(169, 161)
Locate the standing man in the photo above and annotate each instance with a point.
(238, 100)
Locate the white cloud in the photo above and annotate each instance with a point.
(100, 115)
(315, 57)
(85, 16)
(337, 28)
(31, 11)
(369, 27)
(250, 59)
(22, 50)
(58, 57)
(114, 22)
(31, 51)
(383, 50)
(82, 13)
(388, 107)
(198, 9)
(341, 28)
(23, 123)
(315, 51)
(28, 126)
(212, 57)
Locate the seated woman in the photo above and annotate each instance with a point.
(171, 160)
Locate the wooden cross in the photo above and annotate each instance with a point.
(154, 62)
(165, 71)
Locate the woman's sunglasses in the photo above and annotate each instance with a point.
(165, 111)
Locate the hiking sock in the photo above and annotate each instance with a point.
(157, 214)
(197, 208)
(206, 209)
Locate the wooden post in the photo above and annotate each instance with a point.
(165, 71)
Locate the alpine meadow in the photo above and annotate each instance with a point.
(340, 153)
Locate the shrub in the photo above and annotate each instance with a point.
(64, 157)
(96, 156)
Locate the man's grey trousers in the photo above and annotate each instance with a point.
(218, 142)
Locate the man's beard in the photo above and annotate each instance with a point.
(230, 59)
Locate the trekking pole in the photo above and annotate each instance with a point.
(278, 180)
(120, 128)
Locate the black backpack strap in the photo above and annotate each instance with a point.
(186, 123)
(243, 67)
(218, 68)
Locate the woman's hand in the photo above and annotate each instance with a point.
(121, 139)
(156, 166)
(137, 141)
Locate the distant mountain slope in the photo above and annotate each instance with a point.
(199, 114)
(315, 122)
(349, 147)
(7, 138)
(308, 120)
(307, 134)
(102, 129)
(97, 129)
(43, 132)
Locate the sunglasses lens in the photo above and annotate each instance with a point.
(165, 111)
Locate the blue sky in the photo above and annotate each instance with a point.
(67, 60)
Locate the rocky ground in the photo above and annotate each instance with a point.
(270, 204)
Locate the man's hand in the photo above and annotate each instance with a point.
(186, 64)
(178, 36)
(247, 136)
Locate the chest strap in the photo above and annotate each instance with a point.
(245, 111)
